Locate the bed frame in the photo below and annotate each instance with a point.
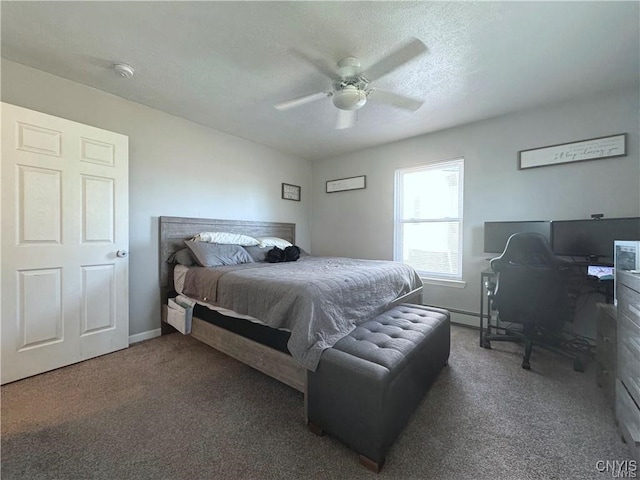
(173, 232)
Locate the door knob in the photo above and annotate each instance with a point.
(121, 253)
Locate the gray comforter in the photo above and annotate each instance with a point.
(319, 299)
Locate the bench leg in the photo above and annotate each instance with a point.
(316, 429)
(370, 464)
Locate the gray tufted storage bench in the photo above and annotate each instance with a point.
(371, 381)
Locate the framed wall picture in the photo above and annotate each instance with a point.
(351, 183)
(591, 149)
(290, 192)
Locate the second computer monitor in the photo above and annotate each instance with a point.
(593, 238)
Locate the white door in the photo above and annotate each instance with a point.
(64, 242)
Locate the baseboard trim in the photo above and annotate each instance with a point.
(139, 337)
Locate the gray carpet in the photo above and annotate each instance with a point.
(172, 408)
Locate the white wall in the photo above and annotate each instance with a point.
(360, 223)
(176, 168)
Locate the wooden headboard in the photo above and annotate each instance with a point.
(175, 230)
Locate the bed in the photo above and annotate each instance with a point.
(218, 330)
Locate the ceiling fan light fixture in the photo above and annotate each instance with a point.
(350, 98)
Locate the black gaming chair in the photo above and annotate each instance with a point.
(531, 289)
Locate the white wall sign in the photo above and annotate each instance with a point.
(351, 183)
(595, 148)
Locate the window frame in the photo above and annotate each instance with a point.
(399, 222)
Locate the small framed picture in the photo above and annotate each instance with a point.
(290, 192)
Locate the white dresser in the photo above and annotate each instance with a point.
(628, 365)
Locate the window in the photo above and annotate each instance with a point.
(428, 218)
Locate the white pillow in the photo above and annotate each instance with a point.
(273, 242)
(226, 238)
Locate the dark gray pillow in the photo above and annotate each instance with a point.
(216, 255)
(258, 254)
(182, 257)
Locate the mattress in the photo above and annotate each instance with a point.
(179, 275)
(245, 325)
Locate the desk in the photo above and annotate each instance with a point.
(485, 276)
(579, 285)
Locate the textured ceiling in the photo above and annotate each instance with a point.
(225, 64)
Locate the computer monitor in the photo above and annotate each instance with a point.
(496, 234)
(592, 239)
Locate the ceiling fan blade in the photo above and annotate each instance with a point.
(296, 102)
(317, 62)
(396, 100)
(394, 60)
(346, 119)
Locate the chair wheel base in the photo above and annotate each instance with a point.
(486, 344)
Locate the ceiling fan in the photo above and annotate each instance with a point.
(351, 86)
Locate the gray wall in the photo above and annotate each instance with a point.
(184, 169)
(360, 223)
(176, 168)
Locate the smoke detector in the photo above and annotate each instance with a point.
(124, 70)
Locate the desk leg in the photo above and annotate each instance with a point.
(481, 308)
